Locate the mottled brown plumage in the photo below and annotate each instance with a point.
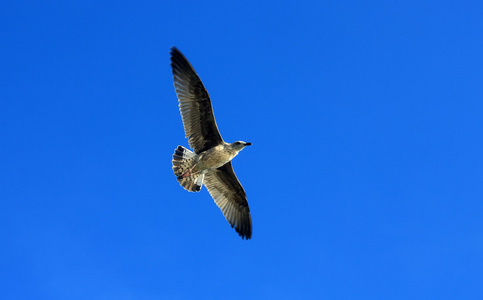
(210, 164)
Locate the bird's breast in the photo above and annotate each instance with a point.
(215, 157)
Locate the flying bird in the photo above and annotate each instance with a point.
(210, 163)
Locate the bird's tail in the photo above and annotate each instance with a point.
(184, 167)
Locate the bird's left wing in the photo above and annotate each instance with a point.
(231, 198)
(194, 104)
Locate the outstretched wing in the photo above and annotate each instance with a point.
(194, 104)
(230, 197)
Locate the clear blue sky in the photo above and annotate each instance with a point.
(365, 178)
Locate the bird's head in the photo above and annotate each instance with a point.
(239, 145)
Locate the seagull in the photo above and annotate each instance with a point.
(210, 163)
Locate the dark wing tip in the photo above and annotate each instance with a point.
(174, 51)
(184, 75)
(245, 232)
(242, 222)
(178, 61)
(177, 56)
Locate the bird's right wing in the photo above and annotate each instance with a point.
(194, 104)
(230, 197)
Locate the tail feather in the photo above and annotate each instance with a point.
(184, 167)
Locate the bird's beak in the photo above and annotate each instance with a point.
(248, 144)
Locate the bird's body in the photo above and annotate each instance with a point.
(210, 164)
(216, 157)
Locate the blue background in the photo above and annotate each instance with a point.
(364, 179)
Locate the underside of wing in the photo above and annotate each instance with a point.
(226, 190)
(194, 104)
